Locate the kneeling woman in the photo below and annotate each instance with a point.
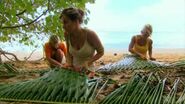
(55, 50)
(142, 43)
(83, 45)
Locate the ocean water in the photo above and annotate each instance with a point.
(117, 41)
(121, 40)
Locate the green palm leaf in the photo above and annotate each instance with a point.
(59, 85)
(144, 90)
(131, 62)
(179, 64)
(8, 70)
(181, 99)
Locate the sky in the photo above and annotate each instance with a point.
(131, 15)
(116, 21)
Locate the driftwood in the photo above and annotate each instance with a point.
(4, 53)
(15, 58)
(26, 58)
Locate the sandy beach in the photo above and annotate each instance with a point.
(166, 55)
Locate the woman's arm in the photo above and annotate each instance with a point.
(150, 50)
(63, 48)
(131, 45)
(53, 62)
(69, 58)
(96, 43)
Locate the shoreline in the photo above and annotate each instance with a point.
(159, 52)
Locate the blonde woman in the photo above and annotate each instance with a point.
(141, 44)
(55, 50)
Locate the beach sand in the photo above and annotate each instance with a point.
(114, 55)
(167, 55)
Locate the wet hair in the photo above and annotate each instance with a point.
(54, 38)
(73, 14)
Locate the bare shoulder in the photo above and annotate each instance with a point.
(91, 35)
(63, 43)
(46, 44)
(90, 32)
(93, 38)
(150, 40)
(134, 38)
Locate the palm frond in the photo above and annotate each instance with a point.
(181, 99)
(59, 85)
(131, 62)
(8, 70)
(171, 97)
(179, 64)
(144, 90)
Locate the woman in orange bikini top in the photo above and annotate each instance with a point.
(141, 44)
(55, 50)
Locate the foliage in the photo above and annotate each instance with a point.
(27, 21)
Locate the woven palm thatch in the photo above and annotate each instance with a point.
(132, 62)
(59, 85)
(145, 90)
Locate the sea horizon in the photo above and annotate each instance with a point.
(116, 41)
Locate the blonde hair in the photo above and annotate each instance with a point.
(54, 38)
(149, 27)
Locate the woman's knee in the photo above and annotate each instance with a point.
(59, 55)
(59, 52)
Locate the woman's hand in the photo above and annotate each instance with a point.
(81, 69)
(151, 58)
(77, 69)
(143, 57)
(89, 63)
(91, 75)
(66, 65)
